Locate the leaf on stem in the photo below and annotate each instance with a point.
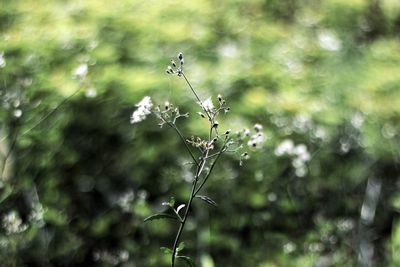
(208, 200)
(158, 216)
(166, 250)
(181, 246)
(187, 260)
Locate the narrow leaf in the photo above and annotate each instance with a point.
(187, 260)
(166, 250)
(160, 216)
(180, 207)
(208, 200)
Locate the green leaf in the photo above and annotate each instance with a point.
(208, 200)
(181, 246)
(187, 260)
(6, 192)
(166, 250)
(160, 216)
(172, 201)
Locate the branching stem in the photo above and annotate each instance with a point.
(200, 168)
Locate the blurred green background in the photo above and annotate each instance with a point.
(77, 179)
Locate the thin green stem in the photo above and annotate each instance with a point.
(211, 168)
(197, 97)
(189, 203)
(173, 126)
(200, 167)
(199, 171)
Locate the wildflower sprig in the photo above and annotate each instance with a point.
(206, 150)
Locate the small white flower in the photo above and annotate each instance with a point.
(143, 109)
(258, 127)
(208, 105)
(256, 140)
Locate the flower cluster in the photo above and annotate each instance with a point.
(174, 68)
(168, 114)
(257, 139)
(299, 153)
(143, 109)
(13, 224)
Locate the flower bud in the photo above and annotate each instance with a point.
(258, 127)
(215, 125)
(219, 98)
(182, 61)
(173, 63)
(201, 114)
(228, 131)
(180, 56)
(166, 105)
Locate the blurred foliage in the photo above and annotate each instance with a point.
(79, 179)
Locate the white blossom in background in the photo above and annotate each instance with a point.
(91, 92)
(357, 120)
(12, 223)
(36, 215)
(81, 71)
(299, 153)
(286, 147)
(112, 258)
(329, 41)
(125, 200)
(17, 113)
(143, 109)
(257, 139)
(289, 247)
(2, 60)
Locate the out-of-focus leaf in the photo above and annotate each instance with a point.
(187, 260)
(6, 192)
(207, 261)
(166, 250)
(208, 200)
(160, 216)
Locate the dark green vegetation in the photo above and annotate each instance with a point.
(80, 179)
